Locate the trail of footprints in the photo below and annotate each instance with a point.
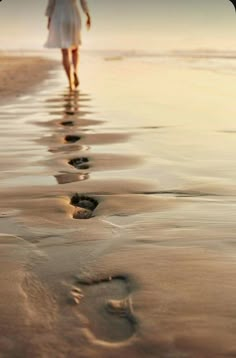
(84, 206)
(106, 302)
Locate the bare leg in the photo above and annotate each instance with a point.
(75, 61)
(67, 65)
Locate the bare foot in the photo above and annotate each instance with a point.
(76, 80)
(71, 86)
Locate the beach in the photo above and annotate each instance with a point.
(20, 73)
(117, 222)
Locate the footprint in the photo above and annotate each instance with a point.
(107, 305)
(79, 163)
(67, 123)
(84, 206)
(71, 138)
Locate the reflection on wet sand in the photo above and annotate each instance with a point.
(71, 177)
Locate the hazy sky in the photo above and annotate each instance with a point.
(129, 24)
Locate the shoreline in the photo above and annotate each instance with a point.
(20, 74)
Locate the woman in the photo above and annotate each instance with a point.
(64, 25)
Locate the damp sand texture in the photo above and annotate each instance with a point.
(117, 215)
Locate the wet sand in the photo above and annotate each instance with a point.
(117, 220)
(20, 74)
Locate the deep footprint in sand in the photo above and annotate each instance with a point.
(84, 206)
(71, 138)
(107, 305)
(67, 123)
(79, 163)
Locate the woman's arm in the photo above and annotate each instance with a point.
(85, 8)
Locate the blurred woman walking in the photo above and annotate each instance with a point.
(64, 25)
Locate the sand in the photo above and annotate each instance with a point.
(117, 219)
(20, 74)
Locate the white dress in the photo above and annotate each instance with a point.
(65, 26)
